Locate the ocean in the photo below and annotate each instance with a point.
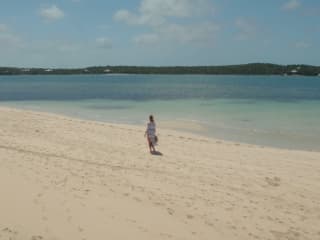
(277, 111)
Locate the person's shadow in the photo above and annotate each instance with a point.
(157, 153)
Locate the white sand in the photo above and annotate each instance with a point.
(63, 178)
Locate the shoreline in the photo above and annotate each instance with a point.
(66, 178)
(179, 126)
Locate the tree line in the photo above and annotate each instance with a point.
(242, 69)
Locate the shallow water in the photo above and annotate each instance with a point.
(266, 110)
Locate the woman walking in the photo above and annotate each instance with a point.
(151, 134)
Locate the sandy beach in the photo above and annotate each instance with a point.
(70, 179)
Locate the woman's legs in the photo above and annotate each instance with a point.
(151, 147)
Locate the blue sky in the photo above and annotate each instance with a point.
(79, 33)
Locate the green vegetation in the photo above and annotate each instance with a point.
(244, 69)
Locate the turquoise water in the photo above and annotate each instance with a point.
(270, 110)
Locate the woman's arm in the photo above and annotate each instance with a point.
(145, 133)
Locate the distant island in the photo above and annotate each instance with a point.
(241, 69)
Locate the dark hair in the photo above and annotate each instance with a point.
(151, 118)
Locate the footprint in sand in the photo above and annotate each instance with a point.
(165, 235)
(143, 229)
(170, 211)
(209, 223)
(189, 216)
(137, 199)
(290, 234)
(69, 219)
(36, 237)
(8, 233)
(275, 181)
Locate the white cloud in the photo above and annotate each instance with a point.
(69, 47)
(171, 8)
(125, 16)
(246, 28)
(156, 12)
(3, 27)
(9, 39)
(129, 18)
(161, 17)
(202, 32)
(63, 53)
(148, 38)
(302, 45)
(52, 13)
(178, 33)
(104, 27)
(104, 42)
(291, 5)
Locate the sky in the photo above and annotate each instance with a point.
(80, 33)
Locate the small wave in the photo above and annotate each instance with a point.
(101, 107)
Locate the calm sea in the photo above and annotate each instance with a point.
(265, 110)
